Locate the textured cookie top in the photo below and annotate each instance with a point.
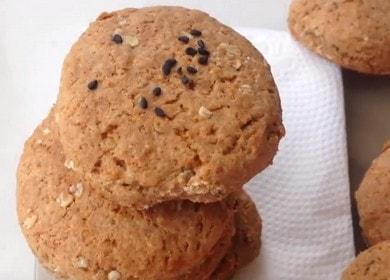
(80, 235)
(167, 103)
(372, 264)
(373, 199)
(352, 33)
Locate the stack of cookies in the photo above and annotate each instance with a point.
(137, 172)
(373, 200)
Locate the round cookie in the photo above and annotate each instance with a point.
(167, 103)
(353, 34)
(247, 239)
(77, 234)
(373, 199)
(372, 264)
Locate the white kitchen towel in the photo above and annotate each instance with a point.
(304, 196)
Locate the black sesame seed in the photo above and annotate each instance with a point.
(157, 91)
(203, 51)
(184, 79)
(191, 51)
(183, 39)
(179, 70)
(93, 85)
(168, 65)
(117, 39)
(192, 70)
(159, 112)
(195, 32)
(203, 60)
(143, 103)
(201, 44)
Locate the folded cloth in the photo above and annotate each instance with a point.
(304, 196)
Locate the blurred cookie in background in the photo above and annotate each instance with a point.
(354, 34)
(373, 199)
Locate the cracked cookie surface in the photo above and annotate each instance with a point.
(166, 103)
(354, 34)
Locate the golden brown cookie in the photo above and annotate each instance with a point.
(247, 239)
(167, 103)
(373, 199)
(354, 34)
(372, 264)
(77, 234)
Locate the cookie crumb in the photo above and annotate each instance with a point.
(77, 189)
(39, 142)
(81, 262)
(30, 221)
(114, 275)
(204, 112)
(132, 41)
(245, 89)
(65, 200)
(237, 64)
(233, 51)
(197, 188)
(69, 164)
(185, 176)
(46, 131)
(203, 187)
